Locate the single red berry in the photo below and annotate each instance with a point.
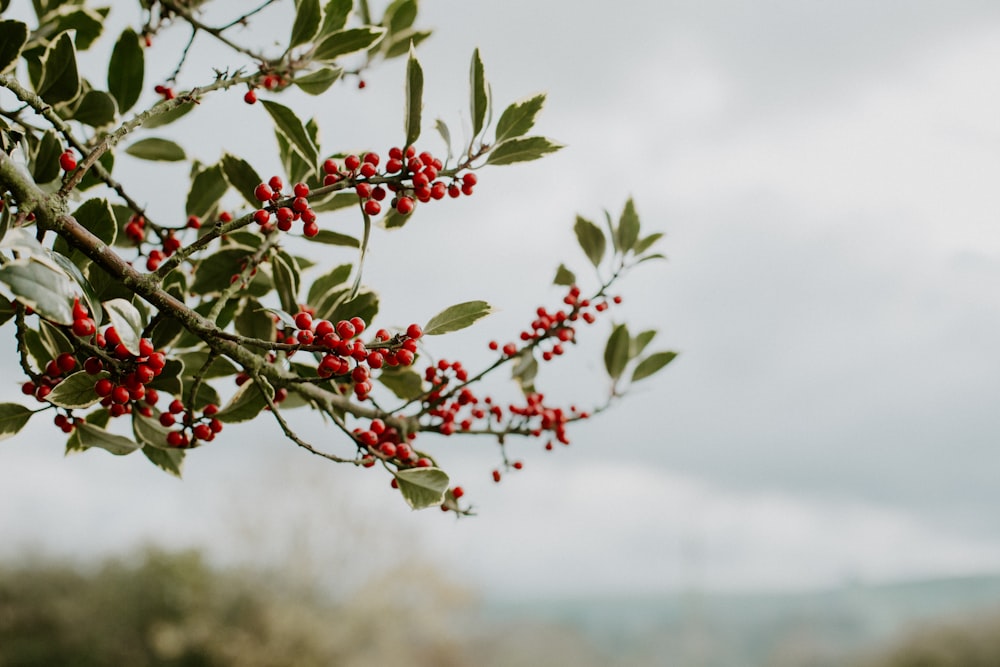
(424, 462)
(167, 419)
(345, 329)
(176, 406)
(310, 230)
(372, 207)
(322, 327)
(414, 331)
(352, 162)
(457, 492)
(404, 357)
(210, 410)
(250, 97)
(393, 165)
(120, 394)
(79, 310)
(66, 362)
(469, 179)
(194, 222)
(176, 439)
(67, 161)
(263, 192)
(103, 387)
(330, 166)
(276, 184)
(301, 190)
(303, 321)
(225, 216)
(202, 432)
(404, 206)
(28, 388)
(364, 190)
(496, 476)
(368, 170)
(517, 465)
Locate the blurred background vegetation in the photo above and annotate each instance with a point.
(176, 609)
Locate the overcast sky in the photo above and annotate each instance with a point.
(826, 177)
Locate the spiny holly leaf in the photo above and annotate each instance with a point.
(616, 352)
(127, 321)
(307, 18)
(90, 435)
(628, 227)
(126, 70)
(652, 364)
(318, 82)
(241, 176)
(343, 42)
(479, 94)
(518, 118)
(521, 149)
(156, 149)
(60, 77)
(168, 460)
(36, 284)
(246, 403)
(457, 317)
(414, 98)
(13, 37)
(564, 276)
(591, 239)
(13, 417)
(289, 125)
(422, 487)
(76, 390)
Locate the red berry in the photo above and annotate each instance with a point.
(167, 419)
(263, 192)
(176, 439)
(79, 310)
(364, 190)
(372, 207)
(301, 190)
(120, 394)
(276, 184)
(176, 406)
(67, 161)
(404, 206)
(352, 162)
(322, 327)
(194, 222)
(303, 321)
(469, 179)
(310, 230)
(202, 432)
(496, 475)
(66, 362)
(457, 492)
(28, 388)
(414, 331)
(250, 97)
(345, 329)
(210, 409)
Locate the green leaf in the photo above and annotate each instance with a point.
(55, 340)
(126, 70)
(241, 176)
(640, 342)
(422, 487)
(153, 148)
(13, 37)
(90, 179)
(194, 362)
(334, 202)
(246, 403)
(644, 244)
(96, 215)
(363, 305)
(591, 239)
(399, 15)
(628, 227)
(60, 77)
(479, 94)
(127, 321)
(96, 108)
(13, 417)
(87, 24)
(564, 276)
(405, 383)
(168, 117)
(93, 436)
(253, 321)
(518, 118)
(414, 98)
(46, 164)
(317, 83)
(7, 310)
(338, 275)
(652, 364)
(215, 272)
(457, 317)
(521, 149)
(207, 188)
(343, 42)
(169, 378)
(169, 460)
(149, 431)
(616, 352)
(76, 390)
(402, 41)
(445, 133)
(335, 15)
(646, 258)
(288, 124)
(286, 280)
(307, 18)
(333, 238)
(47, 291)
(525, 370)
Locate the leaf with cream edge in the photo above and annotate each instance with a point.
(422, 487)
(77, 390)
(127, 321)
(457, 317)
(13, 418)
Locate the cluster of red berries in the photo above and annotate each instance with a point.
(55, 371)
(385, 442)
(558, 326)
(422, 170)
(192, 429)
(268, 81)
(346, 356)
(67, 160)
(270, 194)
